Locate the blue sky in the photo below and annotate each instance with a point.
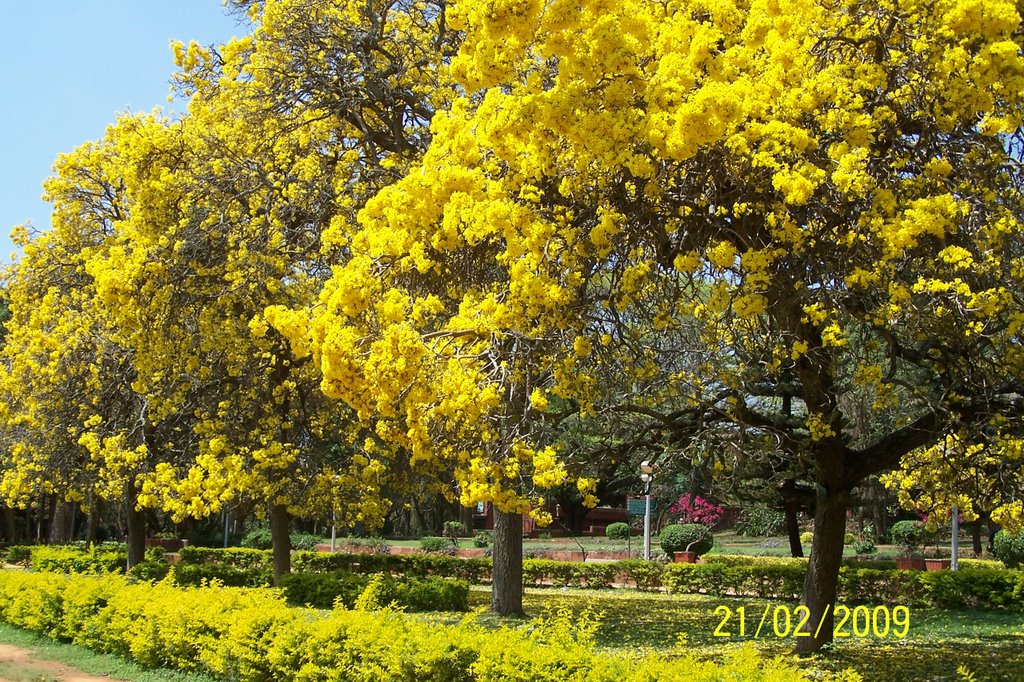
(67, 67)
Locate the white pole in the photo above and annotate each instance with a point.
(647, 526)
(334, 534)
(954, 563)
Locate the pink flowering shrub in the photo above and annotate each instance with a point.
(692, 508)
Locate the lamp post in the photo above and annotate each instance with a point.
(647, 477)
(954, 563)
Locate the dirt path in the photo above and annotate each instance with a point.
(27, 665)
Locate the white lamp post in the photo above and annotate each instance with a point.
(647, 477)
(954, 563)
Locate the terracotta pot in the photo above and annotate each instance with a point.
(907, 563)
(936, 564)
(685, 557)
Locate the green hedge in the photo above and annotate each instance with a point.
(193, 575)
(237, 557)
(71, 559)
(250, 635)
(872, 582)
(325, 590)
(475, 571)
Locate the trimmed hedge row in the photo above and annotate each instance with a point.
(327, 590)
(974, 586)
(253, 636)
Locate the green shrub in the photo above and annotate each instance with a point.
(435, 544)
(541, 572)
(238, 557)
(193, 575)
(482, 539)
(806, 538)
(617, 531)
(687, 537)
(1009, 548)
(156, 554)
(476, 571)
(304, 542)
(453, 529)
(150, 569)
(19, 554)
(909, 535)
(762, 522)
(320, 590)
(849, 539)
(865, 546)
(258, 538)
(71, 559)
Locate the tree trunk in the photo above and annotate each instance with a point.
(466, 516)
(282, 544)
(11, 526)
(92, 525)
(60, 525)
(796, 548)
(822, 577)
(976, 536)
(507, 570)
(136, 522)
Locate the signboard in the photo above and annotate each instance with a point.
(637, 506)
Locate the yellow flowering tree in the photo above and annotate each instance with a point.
(242, 206)
(784, 177)
(76, 425)
(980, 476)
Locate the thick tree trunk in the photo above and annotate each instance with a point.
(466, 516)
(60, 525)
(976, 536)
(507, 570)
(11, 526)
(822, 577)
(793, 529)
(136, 522)
(282, 544)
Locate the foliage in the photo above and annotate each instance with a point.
(865, 546)
(1009, 548)
(617, 531)
(849, 538)
(453, 529)
(806, 538)
(194, 575)
(762, 522)
(72, 559)
(305, 542)
(19, 554)
(909, 535)
(482, 539)
(441, 545)
(150, 570)
(326, 590)
(691, 508)
(237, 557)
(251, 635)
(687, 537)
(257, 538)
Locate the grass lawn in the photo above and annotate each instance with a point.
(989, 644)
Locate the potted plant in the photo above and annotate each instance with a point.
(686, 542)
(908, 535)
